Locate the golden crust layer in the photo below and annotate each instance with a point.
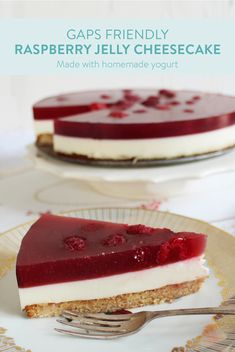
(44, 139)
(125, 301)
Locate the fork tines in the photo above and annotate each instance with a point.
(100, 316)
(99, 325)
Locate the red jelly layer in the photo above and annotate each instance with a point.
(149, 114)
(73, 103)
(60, 249)
(133, 114)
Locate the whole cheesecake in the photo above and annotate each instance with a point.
(135, 124)
(96, 266)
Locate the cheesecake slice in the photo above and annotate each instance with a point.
(95, 266)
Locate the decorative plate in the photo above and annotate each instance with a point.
(195, 333)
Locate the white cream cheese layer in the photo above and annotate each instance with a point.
(43, 127)
(139, 148)
(148, 279)
(151, 148)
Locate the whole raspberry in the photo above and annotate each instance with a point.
(98, 106)
(139, 229)
(151, 101)
(162, 107)
(74, 243)
(139, 255)
(131, 97)
(188, 110)
(174, 102)
(122, 105)
(118, 114)
(167, 93)
(172, 250)
(61, 98)
(178, 248)
(105, 96)
(163, 253)
(114, 240)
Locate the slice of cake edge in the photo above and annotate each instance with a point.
(127, 300)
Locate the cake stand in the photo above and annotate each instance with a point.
(138, 183)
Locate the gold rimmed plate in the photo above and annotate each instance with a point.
(17, 333)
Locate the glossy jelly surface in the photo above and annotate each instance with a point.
(60, 249)
(136, 114)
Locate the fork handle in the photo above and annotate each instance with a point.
(192, 311)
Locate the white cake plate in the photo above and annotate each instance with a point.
(18, 334)
(137, 183)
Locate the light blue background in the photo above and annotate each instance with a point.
(54, 32)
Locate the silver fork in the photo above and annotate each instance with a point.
(111, 326)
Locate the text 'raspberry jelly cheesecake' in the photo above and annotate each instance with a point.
(96, 266)
(136, 124)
